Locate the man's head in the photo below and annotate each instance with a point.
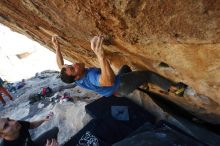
(9, 128)
(70, 73)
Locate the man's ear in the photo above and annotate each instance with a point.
(77, 77)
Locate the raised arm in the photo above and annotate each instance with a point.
(59, 57)
(107, 76)
(36, 124)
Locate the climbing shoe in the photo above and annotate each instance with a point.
(179, 89)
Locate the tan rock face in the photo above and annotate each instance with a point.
(184, 34)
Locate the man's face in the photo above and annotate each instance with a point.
(9, 127)
(70, 70)
(75, 70)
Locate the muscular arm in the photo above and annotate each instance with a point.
(59, 57)
(107, 76)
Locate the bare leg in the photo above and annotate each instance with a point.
(3, 90)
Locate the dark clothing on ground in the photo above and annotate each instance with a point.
(24, 138)
(1, 81)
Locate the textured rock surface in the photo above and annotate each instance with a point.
(184, 34)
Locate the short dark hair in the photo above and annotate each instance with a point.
(66, 78)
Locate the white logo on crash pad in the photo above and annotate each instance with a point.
(88, 140)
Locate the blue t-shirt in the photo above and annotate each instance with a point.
(90, 81)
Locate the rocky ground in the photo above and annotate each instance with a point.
(69, 116)
(67, 102)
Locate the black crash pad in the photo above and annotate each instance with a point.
(100, 132)
(163, 134)
(102, 108)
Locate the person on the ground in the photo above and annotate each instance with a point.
(4, 91)
(16, 133)
(103, 80)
